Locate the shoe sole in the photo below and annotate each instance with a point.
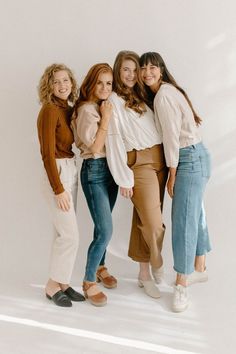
(197, 281)
(180, 310)
(51, 299)
(97, 304)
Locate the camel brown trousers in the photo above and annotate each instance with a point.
(147, 232)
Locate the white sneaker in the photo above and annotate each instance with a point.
(180, 299)
(150, 288)
(158, 274)
(197, 277)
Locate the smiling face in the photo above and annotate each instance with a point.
(62, 84)
(103, 87)
(151, 75)
(128, 73)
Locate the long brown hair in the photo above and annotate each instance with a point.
(88, 85)
(156, 59)
(135, 97)
(45, 88)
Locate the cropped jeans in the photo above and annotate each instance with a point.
(100, 191)
(189, 228)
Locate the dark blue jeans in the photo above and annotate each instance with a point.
(100, 191)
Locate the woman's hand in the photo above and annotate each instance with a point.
(126, 192)
(63, 200)
(171, 181)
(106, 112)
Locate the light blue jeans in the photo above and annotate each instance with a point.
(100, 191)
(189, 229)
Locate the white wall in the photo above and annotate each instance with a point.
(198, 41)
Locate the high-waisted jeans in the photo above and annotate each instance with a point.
(101, 192)
(189, 229)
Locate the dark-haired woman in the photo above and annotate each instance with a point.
(93, 113)
(136, 160)
(189, 170)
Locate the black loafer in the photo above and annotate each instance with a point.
(74, 295)
(60, 299)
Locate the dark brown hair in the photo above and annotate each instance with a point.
(135, 97)
(156, 59)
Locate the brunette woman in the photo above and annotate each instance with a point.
(189, 170)
(136, 160)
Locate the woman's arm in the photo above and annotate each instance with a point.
(116, 154)
(99, 142)
(47, 123)
(171, 181)
(169, 116)
(91, 127)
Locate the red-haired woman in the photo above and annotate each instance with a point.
(93, 113)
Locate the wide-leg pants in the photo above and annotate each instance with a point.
(66, 235)
(189, 228)
(147, 232)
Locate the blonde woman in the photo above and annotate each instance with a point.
(57, 88)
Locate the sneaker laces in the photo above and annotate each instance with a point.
(180, 292)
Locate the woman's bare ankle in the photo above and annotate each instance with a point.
(52, 287)
(64, 286)
(144, 271)
(181, 279)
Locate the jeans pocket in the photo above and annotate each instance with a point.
(205, 160)
(131, 158)
(189, 161)
(96, 170)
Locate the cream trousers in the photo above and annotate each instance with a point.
(66, 236)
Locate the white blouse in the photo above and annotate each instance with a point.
(175, 122)
(128, 130)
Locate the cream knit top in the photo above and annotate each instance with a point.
(175, 122)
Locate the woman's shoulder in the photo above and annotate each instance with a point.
(169, 92)
(49, 109)
(167, 89)
(115, 98)
(113, 95)
(88, 107)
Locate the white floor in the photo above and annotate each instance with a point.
(130, 323)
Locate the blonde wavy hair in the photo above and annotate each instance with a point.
(45, 87)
